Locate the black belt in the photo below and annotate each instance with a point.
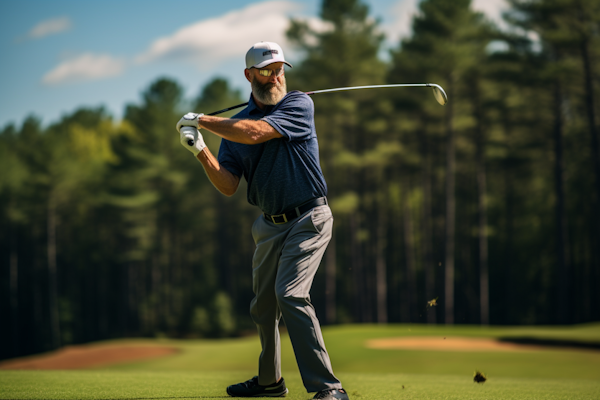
(296, 212)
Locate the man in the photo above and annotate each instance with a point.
(273, 144)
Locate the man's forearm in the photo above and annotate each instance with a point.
(225, 182)
(239, 130)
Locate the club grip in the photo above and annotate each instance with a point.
(189, 132)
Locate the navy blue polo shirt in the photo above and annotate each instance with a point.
(282, 173)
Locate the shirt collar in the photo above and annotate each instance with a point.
(254, 109)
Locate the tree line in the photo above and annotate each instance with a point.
(489, 205)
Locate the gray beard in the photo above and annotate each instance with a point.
(269, 93)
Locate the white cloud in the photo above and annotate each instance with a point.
(403, 11)
(49, 27)
(85, 67)
(209, 42)
(205, 43)
(401, 14)
(492, 9)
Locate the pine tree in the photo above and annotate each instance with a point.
(350, 128)
(446, 47)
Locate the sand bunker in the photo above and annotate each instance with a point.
(76, 357)
(89, 356)
(448, 344)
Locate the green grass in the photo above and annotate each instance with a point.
(203, 385)
(203, 368)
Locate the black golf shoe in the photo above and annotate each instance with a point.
(331, 394)
(251, 388)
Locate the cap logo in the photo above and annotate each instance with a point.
(270, 52)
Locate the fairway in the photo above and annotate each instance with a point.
(203, 368)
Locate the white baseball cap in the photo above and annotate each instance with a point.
(264, 53)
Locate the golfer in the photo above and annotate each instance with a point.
(273, 144)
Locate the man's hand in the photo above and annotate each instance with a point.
(191, 139)
(189, 119)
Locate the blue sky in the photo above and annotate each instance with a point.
(59, 55)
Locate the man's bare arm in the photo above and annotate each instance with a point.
(225, 182)
(243, 131)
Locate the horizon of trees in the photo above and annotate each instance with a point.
(489, 205)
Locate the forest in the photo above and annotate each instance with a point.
(484, 211)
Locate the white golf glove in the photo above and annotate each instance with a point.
(189, 119)
(191, 139)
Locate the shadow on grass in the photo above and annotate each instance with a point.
(556, 343)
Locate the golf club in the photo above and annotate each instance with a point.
(438, 93)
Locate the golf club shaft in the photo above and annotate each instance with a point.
(370, 87)
(433, 85)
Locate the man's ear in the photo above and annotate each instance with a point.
(248, 75)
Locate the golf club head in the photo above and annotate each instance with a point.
(439, 93)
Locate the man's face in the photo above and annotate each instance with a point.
(269, 90)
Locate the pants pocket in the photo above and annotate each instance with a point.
(254, 228)
(319, 216)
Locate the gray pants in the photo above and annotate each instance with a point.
(286, 259)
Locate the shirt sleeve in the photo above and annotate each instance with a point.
(227, 159)
(293, 117)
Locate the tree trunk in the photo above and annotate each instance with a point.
(14, 292)
(52, 278)
(224, 222)
(509, 231)
(561, 217)
(427, 231)
(508, 287)
(483, 244)
(595, 150)
(102, 300)
(409, 251)
(381, 267)
(38, 287)
(450, 208)
(135, 318)
(589, 106)
(359, 295)
(154, 295)
(484, 308)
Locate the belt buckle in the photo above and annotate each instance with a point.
(285, 220)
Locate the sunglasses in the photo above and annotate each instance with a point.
(269, 72)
